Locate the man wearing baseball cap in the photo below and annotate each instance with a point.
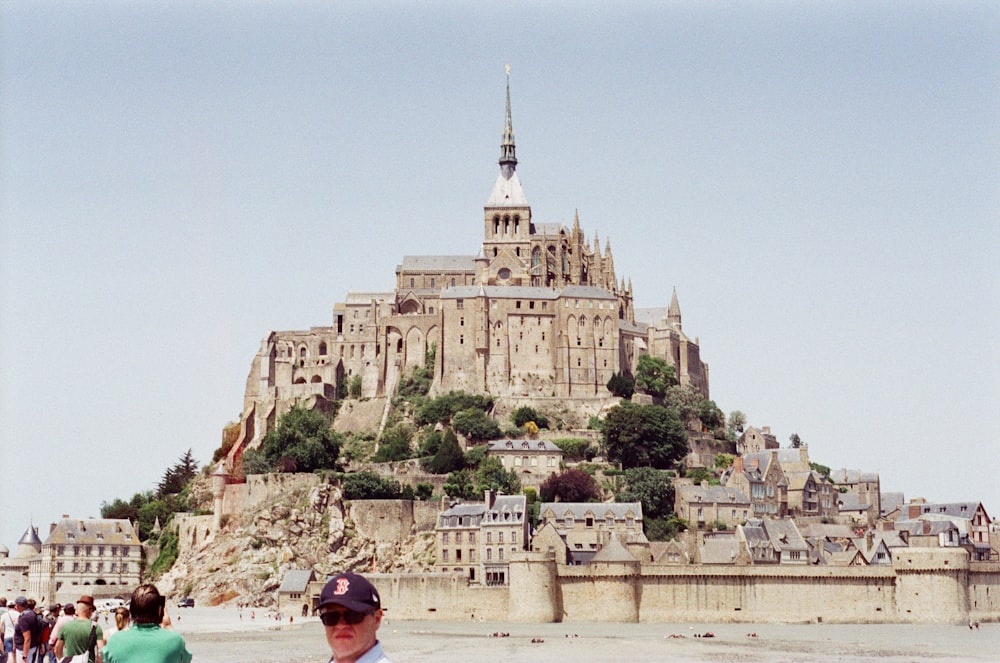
(351, 612)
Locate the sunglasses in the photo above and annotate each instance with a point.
(352, 617)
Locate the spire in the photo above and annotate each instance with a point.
(508, 159)
(674, 312)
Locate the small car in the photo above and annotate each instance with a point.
(186, 602)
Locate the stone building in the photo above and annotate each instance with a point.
(586, 527)
(704, 506)
(457, 537)
(534, 461)
(865, 485)
(756, 440)
(504, 533)
(759, 476)
(537, 312)
(86, 552)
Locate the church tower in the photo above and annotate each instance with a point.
(507, 216)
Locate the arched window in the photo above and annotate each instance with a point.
(322, 348)
(302, 352)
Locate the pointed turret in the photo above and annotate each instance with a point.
(508, 157)
(609, 265)
(674, 312)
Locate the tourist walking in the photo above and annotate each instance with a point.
(68, 615)
(147, 641)
(83, 635)
(26, 632)
(351, 612)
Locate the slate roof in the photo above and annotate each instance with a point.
(550, 229)
(784, 535)
(890, 501)
(712, 494)
(965, 510)
(437, 264)
(843, 476)
(462, 515)
(507, 192)
(523, 445)
(719, 550)
(851, 502)
(827, 531)
(30, 537)
(613, 551)
(109, 531)
(506, 509)
(296, 581)
(598, 509)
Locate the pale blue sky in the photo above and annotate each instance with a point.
(820, 181)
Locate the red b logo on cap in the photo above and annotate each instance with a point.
(342, 585)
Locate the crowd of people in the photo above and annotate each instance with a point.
(73, 631)
(349, 608)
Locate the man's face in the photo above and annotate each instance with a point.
(350, 641)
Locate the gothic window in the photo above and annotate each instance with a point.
(302, 352)
(322, 348)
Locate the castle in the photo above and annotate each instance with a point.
(537, 313)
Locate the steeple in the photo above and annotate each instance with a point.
(508, 159)
(674, 312)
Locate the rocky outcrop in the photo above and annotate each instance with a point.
(305, 524)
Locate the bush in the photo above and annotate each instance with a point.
(524, 414)
(370, 486)
(621, 385)
(570, 486)
(476, 424)
(424, 491)
(395, 444)
(354, 387)
(576, 448)
(443, 408)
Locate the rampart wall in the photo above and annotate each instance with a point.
(940, 587)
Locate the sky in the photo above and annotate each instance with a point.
(819, 181)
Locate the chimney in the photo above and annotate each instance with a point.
(766, 430)
(490, 498)
(737, 464)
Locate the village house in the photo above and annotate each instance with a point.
(457, 536)
(585, 527)
(756, 440)
(534, 461)
(865, 485)
(854, 510)
(705, 506)
(969, 517)
(759, 476)
(503, 532)
(293, 593)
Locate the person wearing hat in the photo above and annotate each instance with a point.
(25, 631)
(351, 612)
(146, 641)
(82, 635)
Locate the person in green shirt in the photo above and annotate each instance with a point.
(146, 641)
(74, 637)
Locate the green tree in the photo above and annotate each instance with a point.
(354, 387)
(795, 440)
(177, 476)
(644, 435)
(491, 475)
(370, 486)
(735, 425)
(522, 415)
(449, 456)
(461, 485)
(302, 441)
(652, 487)
(621, 385)
(476, 424)
(710, 415)
(653, 376)
(571, 485)
(395, 444)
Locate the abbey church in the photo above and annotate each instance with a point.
(537, 313)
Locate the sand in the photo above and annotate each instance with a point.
(218, 635)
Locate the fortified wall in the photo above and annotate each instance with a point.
(922, 586)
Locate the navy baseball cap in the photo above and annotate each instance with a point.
(351, 591)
